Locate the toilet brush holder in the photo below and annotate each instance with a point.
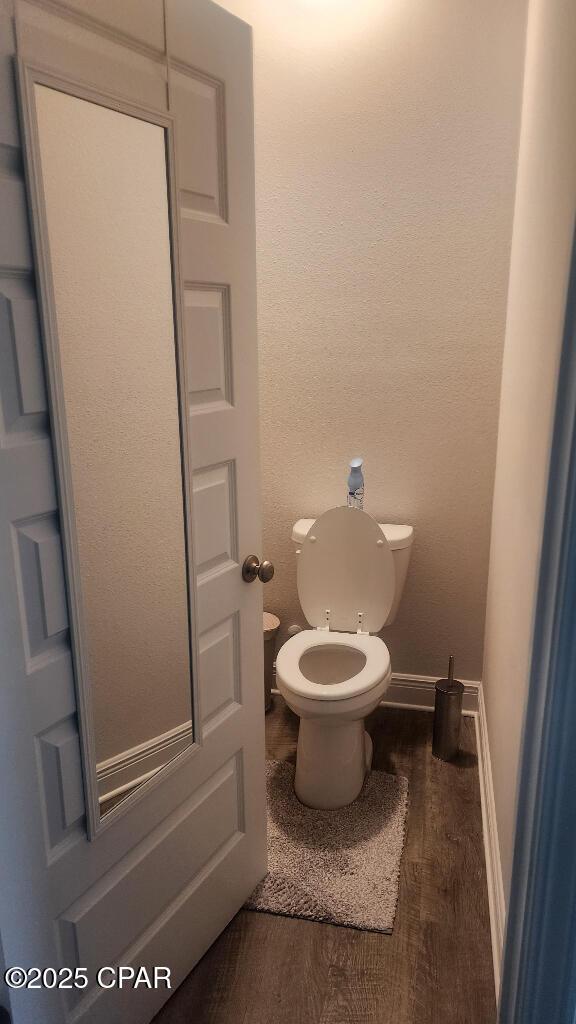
(447, 715)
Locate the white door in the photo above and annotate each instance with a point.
(158, 884)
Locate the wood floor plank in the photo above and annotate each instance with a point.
(454, 909)
(435, 968)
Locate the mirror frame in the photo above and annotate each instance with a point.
(30, 75)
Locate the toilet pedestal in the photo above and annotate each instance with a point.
(331, 762)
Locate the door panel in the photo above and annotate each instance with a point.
(199, 101)
(208, 346)
(166, 861)
(158, 885)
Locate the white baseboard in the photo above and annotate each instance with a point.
(417, 692)
(128, 769)
(491, 846)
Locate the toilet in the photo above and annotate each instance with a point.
(350, 572)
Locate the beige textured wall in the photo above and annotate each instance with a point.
(104, 177)
(386, 141)
(543, 232)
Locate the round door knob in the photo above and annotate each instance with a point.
(266, 571)
(253, 568)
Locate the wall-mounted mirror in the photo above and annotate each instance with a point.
(102, 184)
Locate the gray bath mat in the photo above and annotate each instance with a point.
(338, 866)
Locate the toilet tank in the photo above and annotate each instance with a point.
(399, 541)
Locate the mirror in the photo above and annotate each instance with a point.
(117, 415)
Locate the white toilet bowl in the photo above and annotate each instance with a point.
(334, 675)
(332, 681)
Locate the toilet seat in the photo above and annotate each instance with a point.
(375, 670)
(345, 575)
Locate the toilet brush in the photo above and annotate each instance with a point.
(447, 715)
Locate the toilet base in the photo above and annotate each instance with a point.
(368, 751)
(332, 761)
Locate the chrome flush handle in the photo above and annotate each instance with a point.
(253, 568)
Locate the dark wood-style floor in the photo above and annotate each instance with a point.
(436, 967)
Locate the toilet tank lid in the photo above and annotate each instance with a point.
(397, 536)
